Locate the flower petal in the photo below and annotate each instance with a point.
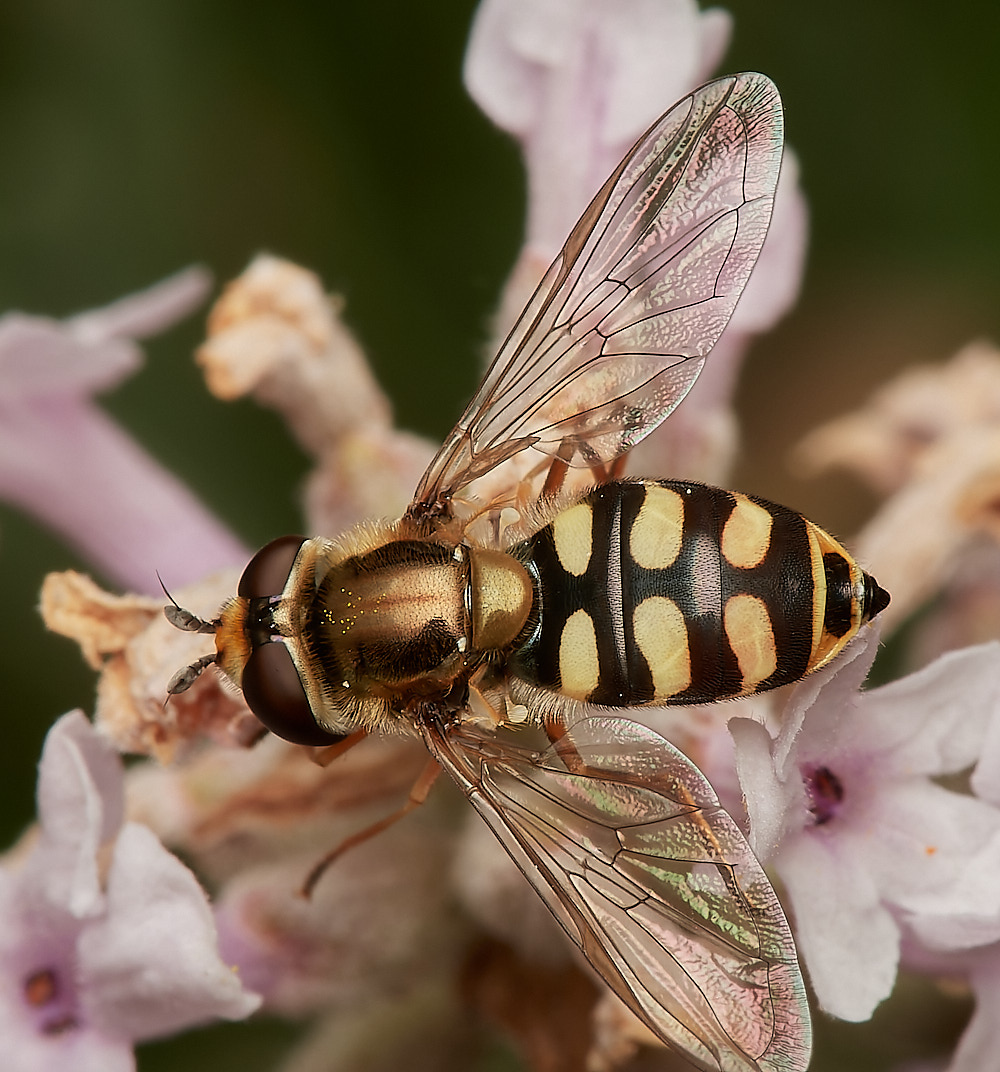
(65, 462)
(986, 777)
(770, 801)
(847, 939)
(151, 966)
(79, 1050)
(39, 357)
(917, 840)
(935, 721)
(147, 312)
(980, 1043)
(964, 915)
(80, 805)
(577, 83)
(92, 351)
(813, 720)
(68, 464)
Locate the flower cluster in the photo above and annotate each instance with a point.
(107, 938)
(878, 810)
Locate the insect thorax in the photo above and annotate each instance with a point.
(405, 621)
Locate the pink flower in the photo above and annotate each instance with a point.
(576, 84)
(977, 958)
(846, 803)
(105, 938)
(64, 461)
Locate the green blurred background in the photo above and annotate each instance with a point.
(137, 138)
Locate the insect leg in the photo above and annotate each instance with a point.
(184, 679)
(555, 477)
(565, 749)
(616, 470)
(559, 467)
(325, 755)
(418, 794)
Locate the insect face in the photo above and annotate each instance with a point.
(325, 638)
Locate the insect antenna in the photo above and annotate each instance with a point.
(184, 679)
(189, 623)
(184, 619)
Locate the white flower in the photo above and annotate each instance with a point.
(105, 938)
(576, 84)
(866, 842)
(66, 462)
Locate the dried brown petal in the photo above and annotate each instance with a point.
(886, 440)
(100, 622)
(950, 499)
(274, 333)
(232, 808)
(137, 651)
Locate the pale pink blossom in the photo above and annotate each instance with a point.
(576, 84)
(379, 922)
(105, 938)
(67, 463)
(977, 959)
(845, 803)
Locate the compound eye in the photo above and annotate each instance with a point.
(268, 570)
(273, 691)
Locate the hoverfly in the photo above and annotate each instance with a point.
(498, 600)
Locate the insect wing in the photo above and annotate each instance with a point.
(654, 882)
(621, 324)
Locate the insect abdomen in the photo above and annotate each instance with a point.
(667, 592)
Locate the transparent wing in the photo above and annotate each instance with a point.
(619, 327)
(652, 880)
